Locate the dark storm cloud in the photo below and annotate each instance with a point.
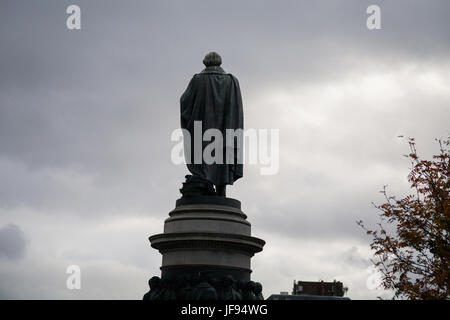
(12, 242)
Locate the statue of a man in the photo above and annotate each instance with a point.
(213, 100)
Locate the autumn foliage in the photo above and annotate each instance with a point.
(412, 242)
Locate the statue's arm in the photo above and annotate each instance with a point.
(187, 100)
(237, 89)
(190, 90)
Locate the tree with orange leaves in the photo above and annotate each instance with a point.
(414, 259)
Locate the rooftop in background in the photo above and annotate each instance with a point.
(314, 290)
(303, 297)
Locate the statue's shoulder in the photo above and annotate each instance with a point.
(208, 72)
(233, 77)
(195, 78)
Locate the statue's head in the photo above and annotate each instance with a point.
(258, 288)
(154, 282)
(212, 59)
(228, 281)
(251, 285)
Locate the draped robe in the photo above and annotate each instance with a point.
(214, 98)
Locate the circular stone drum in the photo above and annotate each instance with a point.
(207, 234)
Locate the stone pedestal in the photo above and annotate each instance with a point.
(208, 240)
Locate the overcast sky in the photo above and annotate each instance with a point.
(86, 118)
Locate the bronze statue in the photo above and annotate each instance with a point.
(258, 291)
(212, 100)
(204, 290)
(228, 291)
(156, 290)
(248, 291)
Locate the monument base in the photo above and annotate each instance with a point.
(206, 250)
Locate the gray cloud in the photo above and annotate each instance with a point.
(12, 242)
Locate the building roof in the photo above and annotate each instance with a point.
(304, 297)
